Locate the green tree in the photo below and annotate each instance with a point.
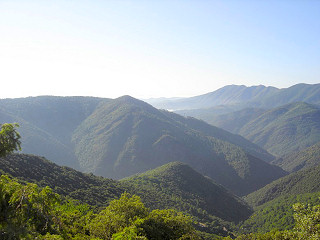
(9, 139)
(118, 215)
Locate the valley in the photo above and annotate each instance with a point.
(235, 160)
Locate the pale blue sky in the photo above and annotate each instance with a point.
(155, 48)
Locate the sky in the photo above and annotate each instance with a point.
(155, 48)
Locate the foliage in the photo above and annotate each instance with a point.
(9, 139)
(174, 185)
(285, 129)
(304, 159)
(87, 188)
(29, 212)
(277, 214)
(307, 226)
(304, 181)
(127, 136)
(47, 122)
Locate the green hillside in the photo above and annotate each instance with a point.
(127, 136)
(285, 129)
(176, 184)
(281, 130)
(234, 121)
(303, 181)
(277, 213)
(87, 188)
(309, 157)
(47, 123)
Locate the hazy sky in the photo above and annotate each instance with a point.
(155, 48)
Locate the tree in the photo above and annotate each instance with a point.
(9, 139)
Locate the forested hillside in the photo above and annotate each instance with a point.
(309, 157)
(120, 137)
(47, 123)
(179, 186)
(303, 181)
(281, 131)
(277, 213)
(285, 129)
(173, 186)
(127, 136)
(87, 188)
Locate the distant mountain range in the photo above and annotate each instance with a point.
(242, 97)
(281, 130)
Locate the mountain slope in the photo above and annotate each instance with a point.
(189, 191)
(234, 121)
(281, 130)
(286, 129)
(244, 97)
(228, 95)
(127, 136)
(277, 213)
(173, 186)
(309, 157)
(96, 191)
(303, 181)
(47, 123)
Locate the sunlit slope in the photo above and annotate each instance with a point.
(177, 184)
(285, 129)
(127, 136)
(303, 181)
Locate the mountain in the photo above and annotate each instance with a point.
(285, 129)
(309, 157)
(280, 130)
(228, 95)
(47, 123)
(96, 191)
(303, 181)
(177, 184)
(244, 97)
(126, 136)
(120, 137)
(277, 213)
(233, 121)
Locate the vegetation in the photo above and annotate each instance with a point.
(193, 194)
(277, 213)
(179, 186)
(87, 188)
(127, 136)
(9, 139)
(307, 227)
(29, 212)
(307, 158)
(285, 129)
(304, 181)
(281, 131)
(47, 123)
(120, 137)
